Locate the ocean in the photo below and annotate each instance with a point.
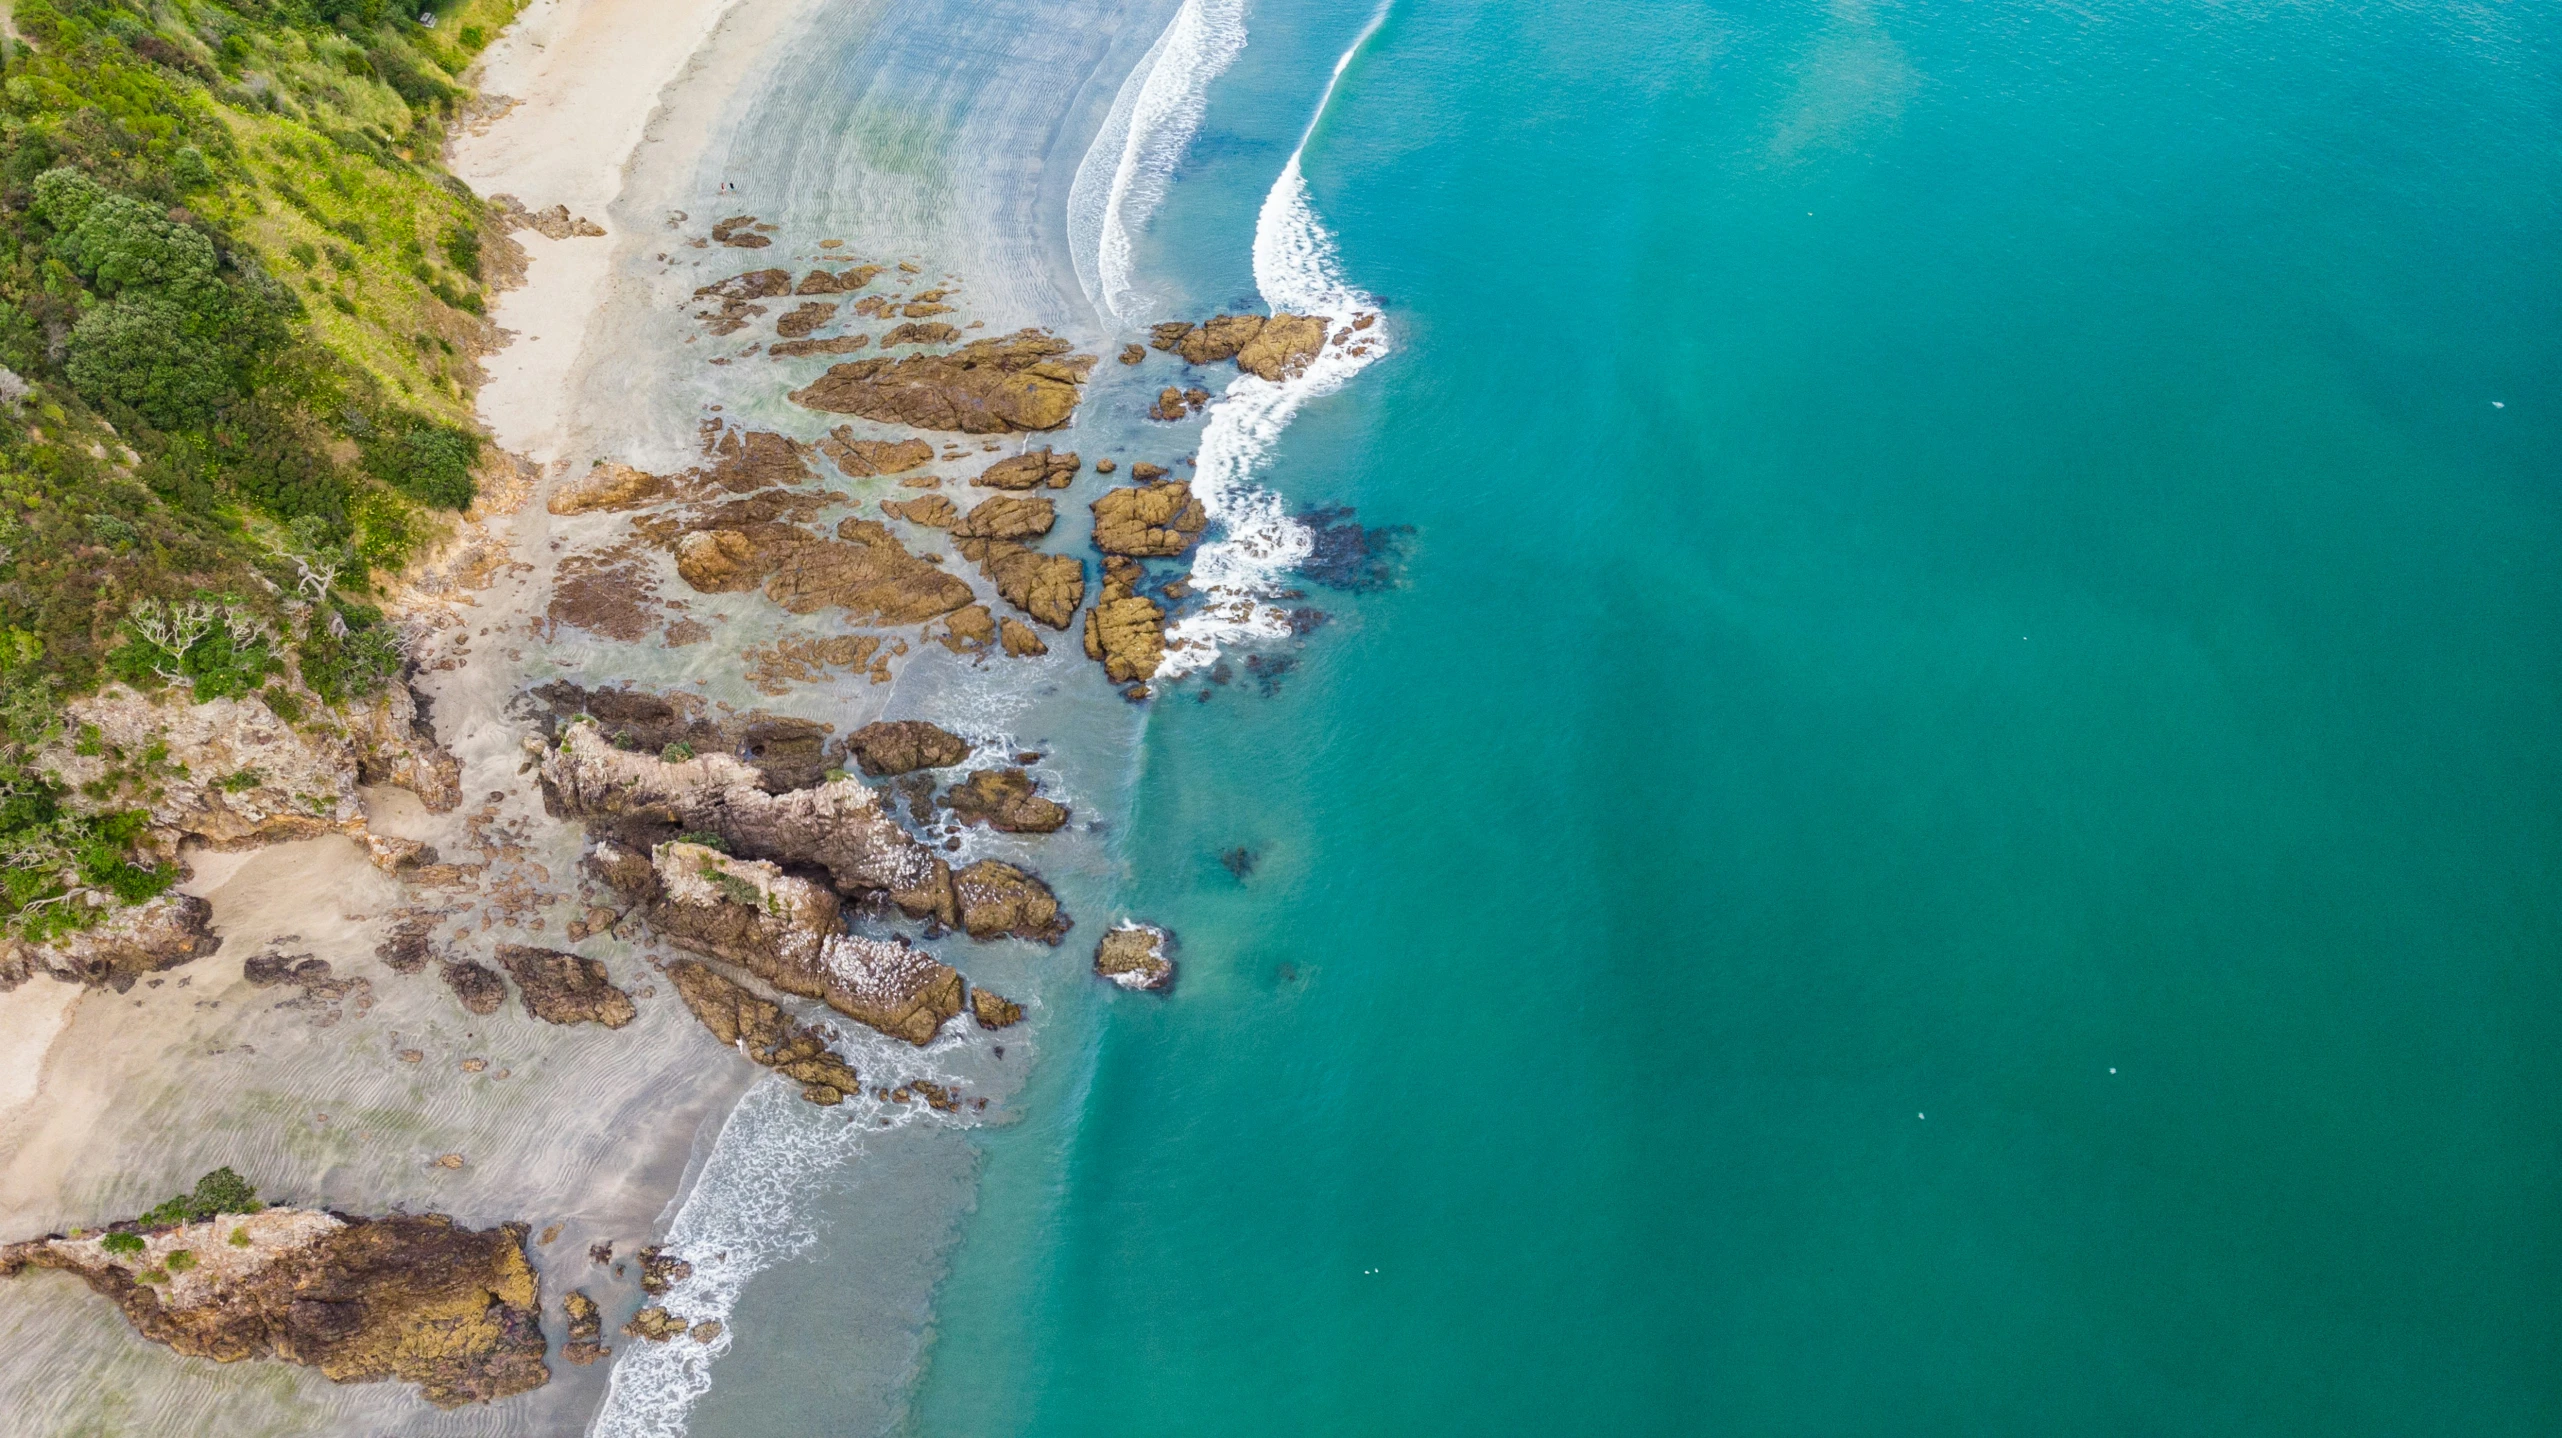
(1948, 818)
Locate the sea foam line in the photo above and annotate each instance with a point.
(746, 1213)
(1298, 268)
(1123, 177)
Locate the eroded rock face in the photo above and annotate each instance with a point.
(125, 945)
(1125, 630)
(903, 746)
(804, 319)
(1020, 641)
(1032, 469)
(418, 1298)
(1281, 349)
(996, 899)
(1152, 520)
(608, 486)
(586, 1325)
(762, 1031)
(933, 511)
(1007, 517)
(1136, 956)
(994, 1011)
(477, 985)
(1048, 587)
(564, 988)
(1020, 382)
(1004, 799)
(863, 458)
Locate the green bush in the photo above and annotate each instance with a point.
(179, 1260)
(430, 463)
(137, 351)
(122, 1243)
(677, 753)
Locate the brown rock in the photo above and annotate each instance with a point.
(1220, 339)
(120, 948)
(1132, 354)
(1135, 957)
(1169, 405)
(1031, 469)
(804, 319)
(1025, 381)
(607, 485)
(655, 1324)
(477, 985)
(928, 333)
(864, 458)
(933, 511)
(903, 746)
(1146, 473)
(739, 232)
(820, 282)
(864, 571)
(456, 1311)
(997, 898)
(586, 1323)
(1125, 630)
(1004, 799)
(969, 629)
(562, 988)
(718, 561)
(836, 345)
(763, 1032)
(1168, 335)
(754, 285)
(994, 1011)
(1019, 640)
(661, 1270)
(1159, 520)
(1105, 466)
(1006, 517)
(1048, 587)
(1282, 348)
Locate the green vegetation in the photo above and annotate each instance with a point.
(676, 753)
(121, 1243)
(179, 1260)
(219, 1192)
(239, 309)
(705, 839)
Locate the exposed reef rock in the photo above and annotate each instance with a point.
(1048, 587)
(654, 1324)
(562, 988)
(863, 458)
(1032, 469)
(842, 282)
(607, 486)
(762, 1031)
(740, 232)
(804, 319)
(1019, 639)
(1277, 348)
(997, 899)
(833, 345)
(1024, 381)
(1007, 517)
(1152, 520)
(1125, 630)
(928, 332)
(1004, 799)
(125, 945)
(790, 933)
(934, 511)
(864, 570)
(1136, 956)
(994, 1011)
(789, 753)
(586, 1325)
(417, 1298)
(903, 746)
(661, 1270)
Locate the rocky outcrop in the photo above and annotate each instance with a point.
(863, 458)
(1048, 587)
(586, 1325)
(832, 345)
(1020, 382)
(1007, 517)
(1019, 639)
(661, 1270)
(118, 948)
(1136, 956)
(788, 753)
(608, 486)
(996, 899)
(1216, 339)
(934, 511)
(840, 282)
(740, 232)
(417, 1298)
(1151, 520)
(994, 1011)
(864, 571)
(1281, 349)
(1032, 469)
(1125, 630)
(1004, 799)
(563, 988)
(761, 1030)
(804, 319)
(903, 746)
(790, 933)
(921, 332)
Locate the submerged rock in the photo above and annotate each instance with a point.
(563, 988)
(418, 1298)
(804, 319)
(477, 985)
(822, 282)
(1136, 956)
(1024, 381)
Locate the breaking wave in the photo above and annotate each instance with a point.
(1124, 174)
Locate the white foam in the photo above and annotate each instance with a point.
(1298, 269)
(748, 1212)
(1124, 174)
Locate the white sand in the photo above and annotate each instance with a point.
(31, 1015)
(586, 75)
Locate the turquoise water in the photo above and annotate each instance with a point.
(1956, 826)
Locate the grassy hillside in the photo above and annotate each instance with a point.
(239, 308)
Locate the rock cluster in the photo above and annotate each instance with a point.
(1024, 381)
(586, 1325)
(788, 753)
(563, 988)
(741, 232)
(608, 486)
(903, 746)
(1004, 799)
(1125, 630)
(762, 1031)
(1135, 956)
(477, 985)
(418, 1298)
(804, 319)
(840, 282)
(1277, 348)
(119, 948)
(994, 1011)
(863, 458)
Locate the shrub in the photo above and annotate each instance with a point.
(240, 1238)
(179, 1260)
(677, 753)
(221, 1191)
(430, 463)
(707, 840)
(136, 350)
(122, 1243)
